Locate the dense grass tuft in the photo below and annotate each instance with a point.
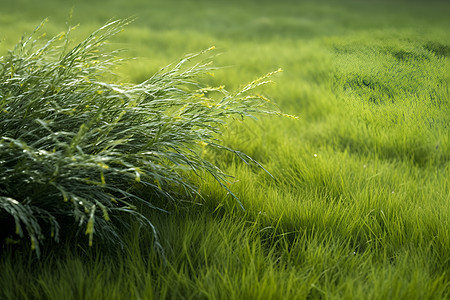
(74, 143)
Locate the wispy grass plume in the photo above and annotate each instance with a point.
(76, 144)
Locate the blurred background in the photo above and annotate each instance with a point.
(166, 29)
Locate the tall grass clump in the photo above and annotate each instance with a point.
(79, 149)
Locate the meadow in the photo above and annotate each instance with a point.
(359, 203)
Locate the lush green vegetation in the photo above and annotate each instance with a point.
(76, 145)
(359, 207)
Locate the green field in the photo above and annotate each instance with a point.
(359, 203)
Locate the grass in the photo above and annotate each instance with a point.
(358, 208)
(77, 145)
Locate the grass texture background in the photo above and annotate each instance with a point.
(359, 207)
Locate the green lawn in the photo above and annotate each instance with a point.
(359, 206)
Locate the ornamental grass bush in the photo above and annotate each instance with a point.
(80, 147)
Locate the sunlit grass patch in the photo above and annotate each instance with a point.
(358, 208)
